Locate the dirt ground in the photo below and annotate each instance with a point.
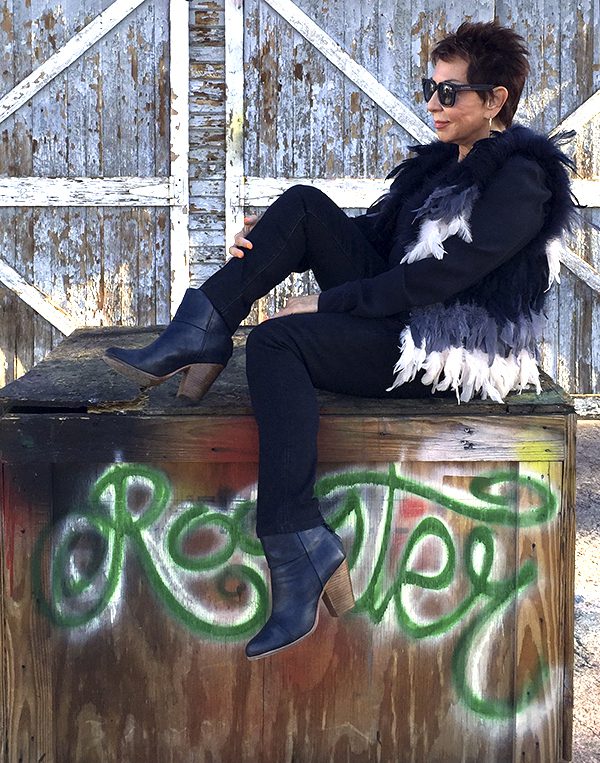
(586, 738)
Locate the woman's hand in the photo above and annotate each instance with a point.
(240, 241)
(305, 304)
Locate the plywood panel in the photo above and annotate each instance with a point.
(28, 667)
(443, 636)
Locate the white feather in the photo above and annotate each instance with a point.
(410, 361)
(453, 365)
(433, 365)
(432, 234)
(554, 249)
(460, 226)
(429, 242)
(466, 372)
(475, 372)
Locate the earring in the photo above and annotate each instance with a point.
(490, 122)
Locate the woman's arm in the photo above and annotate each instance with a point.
(508, 215)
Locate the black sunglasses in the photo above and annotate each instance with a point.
(447, 90)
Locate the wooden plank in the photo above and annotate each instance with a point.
(75, 378)
(87, 192)
(4, 674)
(51, 229)
(179, 136)
(193, 438)
(580, 268)
(567, 576)
(27, 657)
(587, 191)
(20, 251)
(540, 630)
(583, 114)
(158, 614)
(400, 699)
(255, 83)
(408, 695)
(401, 62)
(580, 295)
(234, 117)
(71, 51)
(161, 157)
(347, 192)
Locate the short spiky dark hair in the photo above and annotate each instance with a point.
(495, 55)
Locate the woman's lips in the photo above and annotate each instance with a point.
(440, 125)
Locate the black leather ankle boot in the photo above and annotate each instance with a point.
(305, 566)
(197, 342)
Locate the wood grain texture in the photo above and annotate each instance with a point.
(371, 685)
(538, 636)
(74, 378)
(28, 655)
(426, 668)
(3, 599)
(567, 555)
(236, 439)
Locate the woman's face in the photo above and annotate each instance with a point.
(469, 119)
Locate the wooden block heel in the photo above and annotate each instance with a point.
(197, 380)
(337, 594)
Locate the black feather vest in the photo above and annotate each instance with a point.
(485, 339)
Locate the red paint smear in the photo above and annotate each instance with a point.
(412, 507)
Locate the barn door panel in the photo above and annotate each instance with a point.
(102, 189)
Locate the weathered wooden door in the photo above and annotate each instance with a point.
(93, 168)
(328, 92)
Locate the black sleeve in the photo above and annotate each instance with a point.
(508, 214)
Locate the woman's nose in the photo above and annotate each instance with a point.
(434, 103)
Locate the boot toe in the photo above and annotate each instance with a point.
(270, 639)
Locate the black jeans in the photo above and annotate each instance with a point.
(287, 358)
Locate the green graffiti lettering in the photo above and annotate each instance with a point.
(68, 587)
(499, 508)
(78, 592)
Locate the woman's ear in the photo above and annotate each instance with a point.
(497, 98)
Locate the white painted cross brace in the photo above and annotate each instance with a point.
(584, 113)
(36, 299)
(326, 45)
(63, 58)
(87, 192)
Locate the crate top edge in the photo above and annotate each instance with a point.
(73, 379)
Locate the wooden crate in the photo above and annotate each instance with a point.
(131, 578)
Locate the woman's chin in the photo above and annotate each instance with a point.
(443, 136)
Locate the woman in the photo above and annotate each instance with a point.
(456, 259)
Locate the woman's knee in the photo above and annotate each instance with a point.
(310, 197)
(274, 341)
(265, 337)
(265, 346)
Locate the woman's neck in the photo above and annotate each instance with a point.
(463, 149)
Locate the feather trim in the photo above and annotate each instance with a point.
(432, 235)
(467, 372)
(554, 249)
(446, 212)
